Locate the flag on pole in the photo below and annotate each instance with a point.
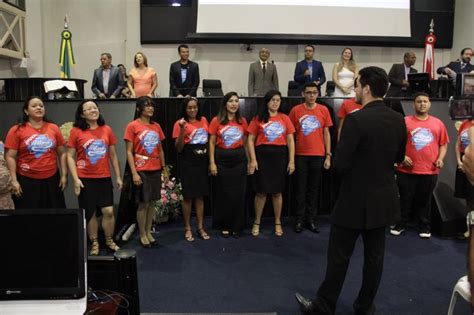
(428, 58)
(66, 56)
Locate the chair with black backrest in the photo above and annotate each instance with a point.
(212, 88)
(330, 88)
(293, 88)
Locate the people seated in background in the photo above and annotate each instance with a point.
(263, 75)
(426, 147)
(462, 65)
(398, 76)
(123, 72)
(184, 74)
(348, 106)
(309, 70)
(344, 73)
(6, 201)
(142, 80)
(313, 152)
(271, 150)
(34, 148)
(107, 81)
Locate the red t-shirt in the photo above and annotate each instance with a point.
(273, 132)
(195, 132)
(309, 125)
(37, 157)
(348, 106)
(146, 139)
(92, 150)
(463, 134)
(424, 137)
(230, 136)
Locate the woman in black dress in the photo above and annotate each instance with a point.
(191, 137)
(228, 164)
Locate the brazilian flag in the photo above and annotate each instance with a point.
(66, 56)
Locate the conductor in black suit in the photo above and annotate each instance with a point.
(184, 75)
(107, 81)
(398, 76)
(372, 140)
(462, 65)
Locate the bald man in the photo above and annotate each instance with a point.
(263, 75)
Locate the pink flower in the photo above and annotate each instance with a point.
(163, 192)
(164, 200)
(174, 197)
(170, 184)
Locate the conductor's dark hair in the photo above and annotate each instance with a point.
(376, 78)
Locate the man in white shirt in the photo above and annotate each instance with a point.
(398, 76)
(107, 81)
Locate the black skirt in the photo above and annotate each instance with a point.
(96, 194)
(229, 190)
(39, 193)
(272, 164)
(150, 189)
(193, 170)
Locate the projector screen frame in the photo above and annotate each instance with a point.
(185, 31)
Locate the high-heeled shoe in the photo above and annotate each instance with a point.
(111, 244)
(203, 234)
(188, 235)
(144, 245)
(94, 247)
(278, 230)
(256, 229)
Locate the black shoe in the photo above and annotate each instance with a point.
(312, 227)
(306, 306)
(299, 227)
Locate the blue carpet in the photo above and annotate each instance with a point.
(261, 275)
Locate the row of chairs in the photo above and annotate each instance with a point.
(214, 88)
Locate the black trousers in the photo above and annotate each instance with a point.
(308, 181)
(415, 198)
(341, 245)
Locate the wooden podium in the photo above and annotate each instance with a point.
(18, 89)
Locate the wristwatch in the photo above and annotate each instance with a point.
(329, 154)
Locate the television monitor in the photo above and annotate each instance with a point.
(44, 254)
(419, 82)
(460, 109)
(465, 84)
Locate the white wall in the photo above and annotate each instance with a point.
(114, 26)
(463, 26)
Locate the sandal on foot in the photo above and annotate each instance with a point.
(203, 234)
(225, 234)
(151, 239)
(94, 247)
(256, 229)
(188, 235)
(278, 229)
(111, 244)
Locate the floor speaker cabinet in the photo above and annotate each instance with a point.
(448, 214)
(116, 273)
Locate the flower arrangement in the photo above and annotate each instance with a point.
(169, 206)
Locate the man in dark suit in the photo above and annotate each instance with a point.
(309, 70)
(462, 65)
(263, 75)
(372, 140)
(398, 76)
(107, 81)
(184, 74)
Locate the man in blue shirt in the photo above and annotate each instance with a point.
(309, 70)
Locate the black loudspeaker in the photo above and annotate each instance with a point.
(116, 273)
(448, 214)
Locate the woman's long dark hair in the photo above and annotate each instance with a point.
(81, 122)
(263, 115)
(184, 105)
(140, 105)
(222, 115)
(24, 118)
